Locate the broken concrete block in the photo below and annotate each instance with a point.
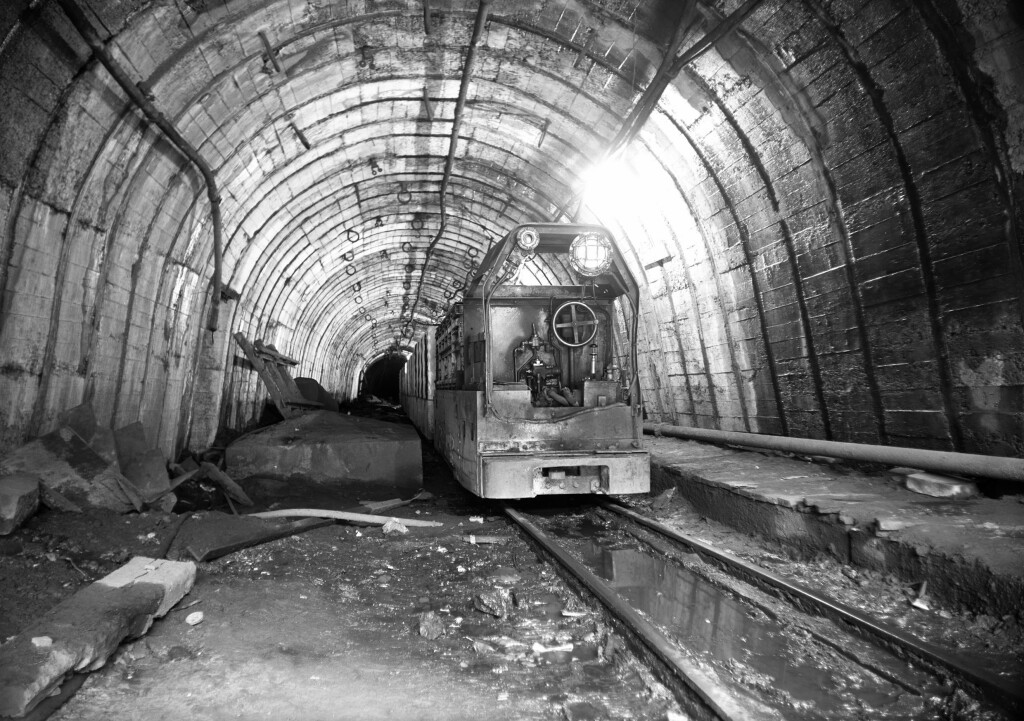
(130, 442)
(85, 629)
(311, 389)
(932, 484)
(19, 499)
(81, 420)
(232, 489)
(103, 444)
(66, 464)
(174, 577)
(147, 472)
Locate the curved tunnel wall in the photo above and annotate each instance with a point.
(825, 207)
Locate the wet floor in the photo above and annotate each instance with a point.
(789, 670)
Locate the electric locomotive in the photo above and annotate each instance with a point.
(529, 396)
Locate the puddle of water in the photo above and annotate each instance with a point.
(715, 625)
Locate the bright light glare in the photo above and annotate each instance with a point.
(620, 194)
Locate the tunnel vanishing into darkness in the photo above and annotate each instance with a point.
(823, 200)
(381, 378)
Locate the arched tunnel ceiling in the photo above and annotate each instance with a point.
(360, 204)
(819, 204)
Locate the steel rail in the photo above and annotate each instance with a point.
(136, 95)
(997, 689)
(710, 696)
(967, 464)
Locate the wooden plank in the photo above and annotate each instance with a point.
(270, 352)
(343, 516)
(288, 529)
(277, 394)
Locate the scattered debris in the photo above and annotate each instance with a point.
(561, 648)
(195, 618)
(483, 648)
(662, 501)
(497, 603)
(394, 526)
(574, 614)
(66, 464)
(937, 486)
(211, 535)
(584, 711)
(288, 529)
(231, 489)
(19, 499)
(485, 540)
(343, 516)
(380, 506)
(920, 601)
(147, 472)
(86, 628)
(504, 575)
(431, 627)
(51, 499)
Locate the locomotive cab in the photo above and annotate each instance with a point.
(537, 391)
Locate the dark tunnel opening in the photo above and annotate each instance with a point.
(381, 377)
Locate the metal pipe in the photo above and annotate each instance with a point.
(966, 464)
(667, 70)
(453, 141)
(84, 27)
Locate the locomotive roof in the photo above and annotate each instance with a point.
(555, 238)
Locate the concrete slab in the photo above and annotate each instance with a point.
(375, 460)
(81, 633)
(971, 552)
(130, 442)
(147, 472)
(65, 464)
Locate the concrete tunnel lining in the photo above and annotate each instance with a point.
(841, 226)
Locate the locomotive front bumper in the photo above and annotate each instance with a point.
(525, 475)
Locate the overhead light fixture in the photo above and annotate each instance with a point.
(590, 254)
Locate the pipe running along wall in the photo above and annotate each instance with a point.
(449, 163)
(84, 27)
(968, 464)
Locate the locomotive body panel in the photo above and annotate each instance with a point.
(530, 398)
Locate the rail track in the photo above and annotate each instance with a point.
(747, 644)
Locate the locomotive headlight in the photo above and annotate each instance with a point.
(590, 254)
(528, 239)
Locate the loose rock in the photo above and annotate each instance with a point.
(394, 527)
(19, 499)
(431, 626)
(496, 603)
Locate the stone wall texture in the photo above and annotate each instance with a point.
(824, 207)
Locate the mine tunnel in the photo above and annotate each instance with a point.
(816, 214)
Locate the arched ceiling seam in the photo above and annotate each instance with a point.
(344, 220)
(341, 222)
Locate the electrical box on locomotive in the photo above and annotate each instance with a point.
(530, 397)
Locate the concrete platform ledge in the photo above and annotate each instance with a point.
(971, 552)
